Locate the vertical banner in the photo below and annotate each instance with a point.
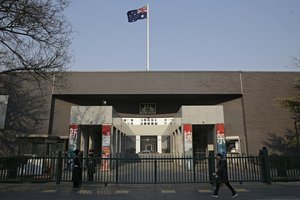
(106, 134)
(73, 139)
(73, 135)
(188, 139)
(188, 145)
(221, 142)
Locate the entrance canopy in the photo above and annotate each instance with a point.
(146, 125)
(152, 132)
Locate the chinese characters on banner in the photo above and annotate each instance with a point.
(106, 133)
(221, 142)
(188, 145)
(188, 139)
(73, 139)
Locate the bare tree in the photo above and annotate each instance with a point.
(293, 103)
(295, 62)
(34, 38)
(289, 143)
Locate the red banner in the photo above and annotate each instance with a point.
(220, 129)
(106, 129)
(188, 139)
(187, 128)
(106, 135)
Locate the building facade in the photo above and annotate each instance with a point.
(178, 113)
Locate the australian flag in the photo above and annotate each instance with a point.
(134, 15)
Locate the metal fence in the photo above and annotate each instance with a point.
(22, 169)
(150, 169)
(284, 168)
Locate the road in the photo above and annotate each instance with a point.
(49, 191)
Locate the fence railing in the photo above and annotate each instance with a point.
(150, 169)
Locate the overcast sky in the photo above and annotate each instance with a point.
(197, 35)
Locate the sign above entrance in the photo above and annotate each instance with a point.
(147, 108)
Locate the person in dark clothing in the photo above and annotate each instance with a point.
(76, 175)
(222, 176)
(91, 165)
(263, 153)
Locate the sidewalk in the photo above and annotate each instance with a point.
(47, 191)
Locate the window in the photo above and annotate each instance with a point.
(148, 121)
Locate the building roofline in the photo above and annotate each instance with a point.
(194, 71)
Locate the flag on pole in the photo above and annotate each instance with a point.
(134, 15)
(142, 13)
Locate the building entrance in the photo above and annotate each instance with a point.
(90, 137)
(149, 144)
(202, 136)
(156, 134)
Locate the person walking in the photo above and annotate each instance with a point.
(76, 173)
(222, 176)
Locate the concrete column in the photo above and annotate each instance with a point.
(123, 150)
(90, 141)
(138, 144)
(83, 141)
(119, 142)
(180, 146)
(116, 141)
(113, 141)
(123, 143)
(84, 144)
(159, 149)
(172, 143)
(175, 150)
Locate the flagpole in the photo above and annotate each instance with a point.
(148, 38)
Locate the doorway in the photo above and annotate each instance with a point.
(149, 144)
(202, 136)
(90, 137)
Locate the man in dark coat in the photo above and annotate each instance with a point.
(91, 165)
(76, 175)
(222, 176)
